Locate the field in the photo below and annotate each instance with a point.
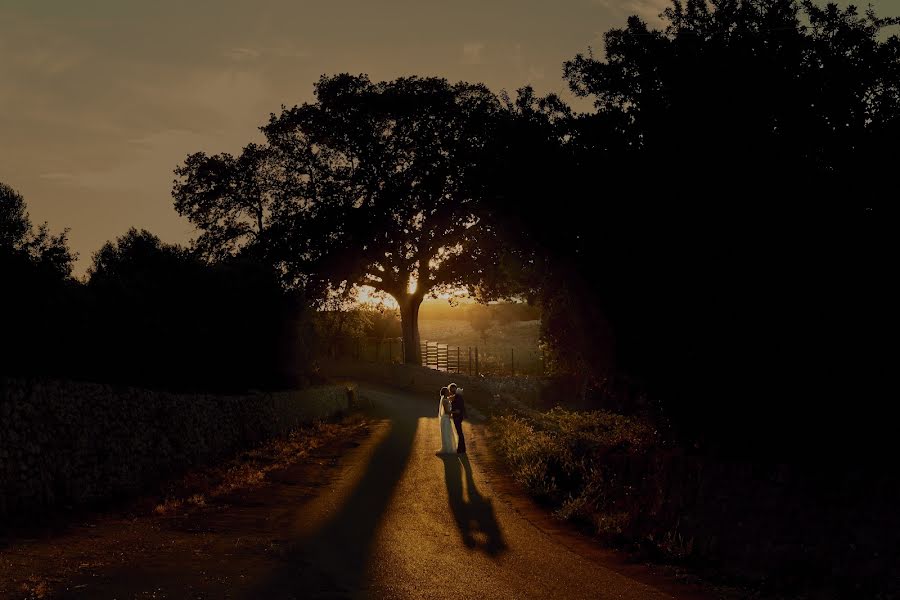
(502, 343)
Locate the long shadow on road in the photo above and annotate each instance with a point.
(474, 515)
(333, 562)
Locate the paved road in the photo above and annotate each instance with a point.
(394, 521)
(404, 523)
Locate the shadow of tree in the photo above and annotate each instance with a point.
(474, 514)
(334, 560)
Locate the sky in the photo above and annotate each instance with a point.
(101, 99)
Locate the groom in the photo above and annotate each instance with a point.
(458, 412)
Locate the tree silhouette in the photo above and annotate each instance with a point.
(372, 184)
(709, 222)
(162, 317)
(229, 199)
(36, 305)
(39, 248)
(776, 95)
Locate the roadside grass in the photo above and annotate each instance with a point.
(558, 457)
(766, 529)
(249, 469)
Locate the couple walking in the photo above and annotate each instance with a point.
(452, 408)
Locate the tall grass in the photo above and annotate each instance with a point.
(559, 455)
(765, 526)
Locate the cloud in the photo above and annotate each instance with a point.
(243, 53)
(471, 53)
(649, 10)
(209, 99)
(282, 51)
(146, 163)
(526, 69)
(533, 74)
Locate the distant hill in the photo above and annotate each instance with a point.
(438, 310)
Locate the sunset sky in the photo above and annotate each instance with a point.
(101, 99)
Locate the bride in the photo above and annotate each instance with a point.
(447, 443)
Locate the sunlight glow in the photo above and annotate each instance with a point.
(368, 295)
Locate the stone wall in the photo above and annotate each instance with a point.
(70, 443)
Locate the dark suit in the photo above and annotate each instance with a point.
(458, 410)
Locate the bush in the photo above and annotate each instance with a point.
(556, 456)
(742, 520)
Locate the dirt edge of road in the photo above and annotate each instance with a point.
(53, 557)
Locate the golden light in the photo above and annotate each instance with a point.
(368, 295)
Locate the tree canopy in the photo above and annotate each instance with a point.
(21, 242)
(767, 96)
(710, 212)
(372, 184)
(36, 268)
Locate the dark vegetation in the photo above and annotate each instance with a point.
(149, 314)
(714, 231)
(770, 529)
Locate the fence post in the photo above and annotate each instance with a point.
(469, 371)
(457, 359)
(476, 361)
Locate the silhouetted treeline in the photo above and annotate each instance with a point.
(159, 315)
(715, 227)
(35, 302)
(149, 314)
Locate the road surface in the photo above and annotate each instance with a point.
(392, 521)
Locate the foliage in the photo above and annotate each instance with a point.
(556, 455)
(356, 322)
(229, 199)
(150, 314)
(621, 480)
(799, 94)
(35, 307)
(47, 255)
(160, 316)
(711, 233)
(373, 183)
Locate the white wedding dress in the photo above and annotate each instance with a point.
(448, 444)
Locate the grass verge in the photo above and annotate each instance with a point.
(249, 469)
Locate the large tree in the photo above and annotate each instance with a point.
(752, 99)
(709, 137)
(372, 184)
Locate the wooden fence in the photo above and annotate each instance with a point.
(441, 356)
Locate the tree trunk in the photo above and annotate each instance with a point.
(409, 323)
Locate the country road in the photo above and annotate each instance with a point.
(392, 521)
